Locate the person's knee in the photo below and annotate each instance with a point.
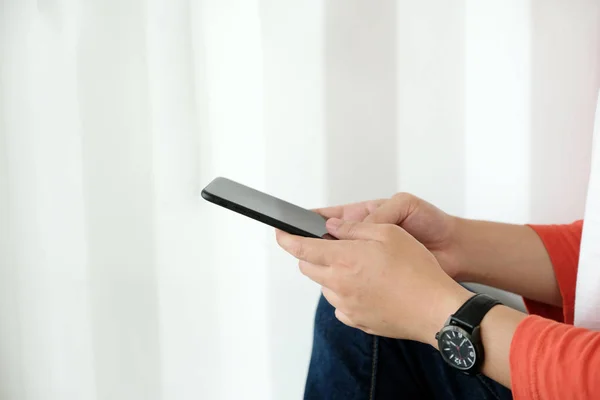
(325, 316)
(342, 358)
(332, 333)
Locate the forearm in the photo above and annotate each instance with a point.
(506, 256)
(497, 331)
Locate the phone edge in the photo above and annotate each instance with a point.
(254, 215)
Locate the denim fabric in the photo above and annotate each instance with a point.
(349, 364)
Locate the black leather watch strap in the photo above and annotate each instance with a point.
(473, 310)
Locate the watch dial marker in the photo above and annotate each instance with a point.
(457, 349)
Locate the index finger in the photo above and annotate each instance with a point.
(350, 212)
(393, 211)
(315, 251)
(330, 212)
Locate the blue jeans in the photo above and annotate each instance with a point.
(349, 364)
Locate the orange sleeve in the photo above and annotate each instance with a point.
(554, 361)
(562, 243)
(548, 359)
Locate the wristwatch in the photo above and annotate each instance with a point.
(459, 341)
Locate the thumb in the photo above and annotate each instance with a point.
(394, 211)
(352, 230)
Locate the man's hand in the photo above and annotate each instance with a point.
(428, 224)
(505, 256)
(379, 278)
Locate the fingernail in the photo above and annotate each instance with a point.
(334, 223)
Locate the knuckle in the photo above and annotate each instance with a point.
(402, 197)
(342, 289)
(351, 313)
(353, 272)
(336, 287)
(339, 314)
(367, 330)
(352, 302)
(352, 229)
(299, 250)
(347, 285)
(389, 231)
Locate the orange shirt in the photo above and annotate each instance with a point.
(549, 357)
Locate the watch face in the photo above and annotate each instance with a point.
(456, 348)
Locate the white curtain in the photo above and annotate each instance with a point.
(118, 282)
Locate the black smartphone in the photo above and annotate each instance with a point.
(265, 208)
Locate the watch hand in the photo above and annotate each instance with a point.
(463, 342)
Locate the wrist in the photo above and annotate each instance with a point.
(455, 258)
(444, 307)
(459, 248)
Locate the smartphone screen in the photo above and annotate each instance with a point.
(265, 208)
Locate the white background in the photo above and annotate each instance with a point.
(118, 282)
